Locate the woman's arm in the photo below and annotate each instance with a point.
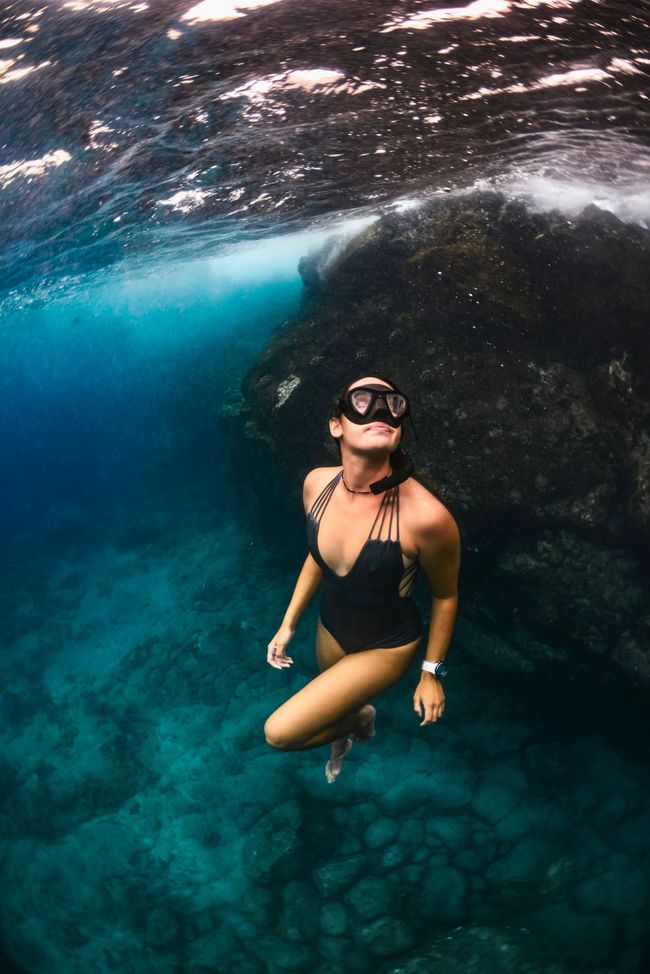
(441, 627)
(440, 557)
(307, 585)
(308, 582)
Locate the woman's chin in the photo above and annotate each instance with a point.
(375, 450)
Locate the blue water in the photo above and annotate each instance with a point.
(161, 175)
(113, 386)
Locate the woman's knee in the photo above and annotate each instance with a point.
(276, 735)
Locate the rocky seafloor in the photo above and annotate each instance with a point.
(148, 827)
(522, 339)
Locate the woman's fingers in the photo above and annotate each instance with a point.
(432, 711)
(277, 658)
(429, 701)
(276, 655)
(279, 662)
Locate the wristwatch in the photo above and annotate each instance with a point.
(438, 669)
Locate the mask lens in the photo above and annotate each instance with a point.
(360, 400)
(396, 404)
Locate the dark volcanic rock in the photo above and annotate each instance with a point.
(475, 949)
(522, 340)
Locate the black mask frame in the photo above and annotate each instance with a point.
(375, 411)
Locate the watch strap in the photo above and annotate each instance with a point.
(431, 667)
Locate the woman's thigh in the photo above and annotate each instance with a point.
(340, 689)
(328, 650)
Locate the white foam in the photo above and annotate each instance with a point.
(629, 201)
(159, 284)
(278, 256)
(184, 201)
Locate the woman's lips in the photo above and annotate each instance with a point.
(380, 426)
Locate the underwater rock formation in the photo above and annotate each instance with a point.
(522, 339)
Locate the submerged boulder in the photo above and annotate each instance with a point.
(473, 949)
(522, 340)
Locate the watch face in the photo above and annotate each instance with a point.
(441, 669)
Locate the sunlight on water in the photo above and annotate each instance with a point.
(28, 168)
(224, 9)
(187, 142)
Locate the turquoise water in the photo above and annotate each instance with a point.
(162, 171)
(147, 824)
(112, 387)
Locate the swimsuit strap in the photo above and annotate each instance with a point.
(323, 498)
(408, 577)
(397, 512)
(388, 500)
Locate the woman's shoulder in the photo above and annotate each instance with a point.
(423, 507)
(314, 482)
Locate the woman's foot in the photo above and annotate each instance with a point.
(339, 749)
(364, 733)
(366, 729)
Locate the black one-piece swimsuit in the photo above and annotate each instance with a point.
(371, 606)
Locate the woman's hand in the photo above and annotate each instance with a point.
(276, 655)
(429, 698)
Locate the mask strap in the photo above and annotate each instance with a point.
(396, 477)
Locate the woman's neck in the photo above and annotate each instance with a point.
(358, 475)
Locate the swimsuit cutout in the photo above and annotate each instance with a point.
(371, 605)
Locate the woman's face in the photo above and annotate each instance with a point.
(373, 436)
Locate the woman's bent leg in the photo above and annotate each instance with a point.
(329, 652)
(330, 706)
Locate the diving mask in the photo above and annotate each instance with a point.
(374, 403)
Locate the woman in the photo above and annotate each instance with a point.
(369, 627)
